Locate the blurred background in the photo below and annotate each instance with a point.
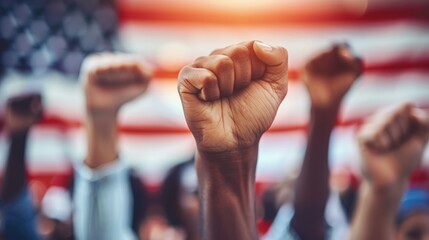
(44, 42)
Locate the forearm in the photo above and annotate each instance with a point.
(102, 137)
(15, 175)
(312, 188)
(227, 194)
(376, 212)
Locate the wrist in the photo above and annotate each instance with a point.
(102, 134)
(102, 118)
(226, 183)
(323, 119)
(239, 157)
(227, 168)
(95, 112)
(329, 112)
(385, 190)
(17, 132)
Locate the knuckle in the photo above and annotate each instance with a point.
(216, 51)
(200, 60)
(223, 63)
(208, 78)
(184, 72)
(239, 52)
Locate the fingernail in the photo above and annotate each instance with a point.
(264, 46)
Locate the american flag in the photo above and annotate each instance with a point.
(45, 41)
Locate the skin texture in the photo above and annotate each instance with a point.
(392, 144)
(110, 81)
(230, 98)
(328, 76)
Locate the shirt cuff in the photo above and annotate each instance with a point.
(105, 171)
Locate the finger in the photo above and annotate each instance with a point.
(276, 68)
(403, 124)
(345, 54)
(368, 133)
(374, 134)
(274, 57)
(121, 75)
(358, 65)
(36, 105)
(383, 140)
(388, 128)
(198, 83)
(394, 131)
(420, 119)
(241, 58)
(223, 67)
(257, 66)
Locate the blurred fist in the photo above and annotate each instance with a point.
(22, 112)
(231, 97)
(113, 79)
(329, 75)
(392, 144)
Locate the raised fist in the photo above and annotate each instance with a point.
(113, 79)
(329, 75)
(231, 97)
(392, 144)
(22, 112)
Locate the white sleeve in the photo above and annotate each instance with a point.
(102, 203)
(280, 228)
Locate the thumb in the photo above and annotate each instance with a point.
(275, 58)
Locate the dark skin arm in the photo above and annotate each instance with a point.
(328, 77)
(230, 99)
(15, 177)
(18, 123)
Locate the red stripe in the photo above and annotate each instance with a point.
(394, 66)
(63, 124)
(309, 16)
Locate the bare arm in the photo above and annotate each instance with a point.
(227, 194)
(328, 77)
(392, 144)
(18, 123)
(230, 99)
(111, 80)
(17, 210)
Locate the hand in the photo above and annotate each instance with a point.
(113, 79)
(22, 112)
(392, 144)
(231, 97)
(329, 75)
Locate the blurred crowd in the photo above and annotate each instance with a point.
(230, 99)
(105, 199)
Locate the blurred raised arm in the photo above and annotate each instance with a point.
(391, 144)
(110, 81)
(328, 77)
(19, 215)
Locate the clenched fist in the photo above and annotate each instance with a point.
(113, 79)
(392, 144)
(230, 98)
(329, 75)
(22, 112)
